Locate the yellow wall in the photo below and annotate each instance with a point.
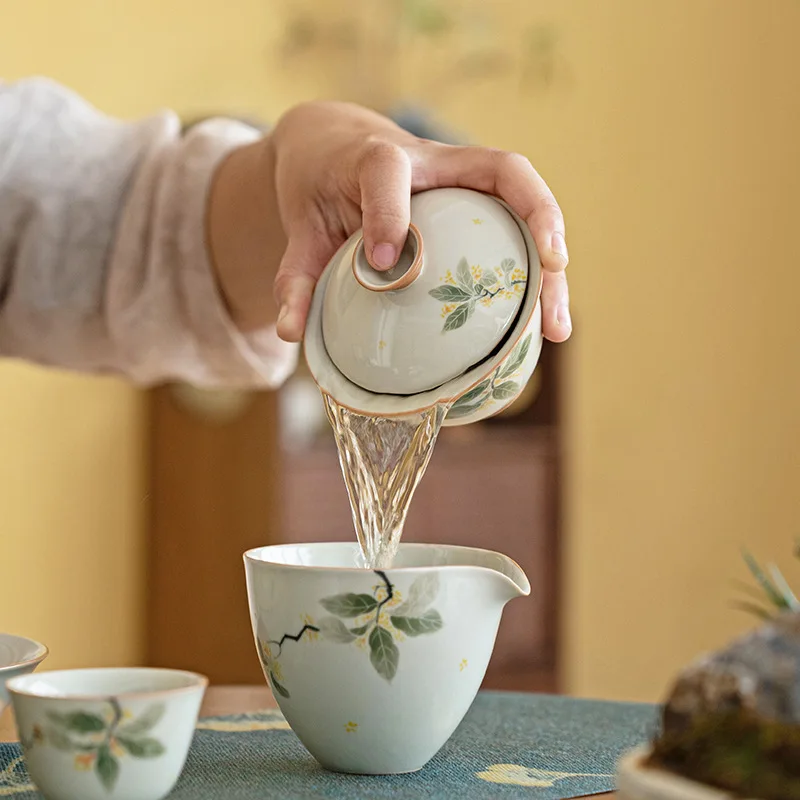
(684, 197)
(72, 500)
(671, 139)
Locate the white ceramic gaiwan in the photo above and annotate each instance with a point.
(94, 734)
(18, 656)
(374, 670)
(456, 321)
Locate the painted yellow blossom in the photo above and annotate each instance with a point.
(477, 221)
(351, 727)
(463, 665)
(84, 761)
(116, 748)
(313, 635)
(381, 593)
(381, 344)
(277, 670)
(448, 278)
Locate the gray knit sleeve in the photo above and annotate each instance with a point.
(103, 264)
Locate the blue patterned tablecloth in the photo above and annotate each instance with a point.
(536, 747)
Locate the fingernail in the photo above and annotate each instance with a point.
(559, 246)
(284, 312)
(563, 318)
(384, 256)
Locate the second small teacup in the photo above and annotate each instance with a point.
(93, 734)
(18, 656)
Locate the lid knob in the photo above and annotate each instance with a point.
(407, 269)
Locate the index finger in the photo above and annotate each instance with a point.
(508, 176)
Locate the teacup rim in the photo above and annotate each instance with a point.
(16, 686)
(249, 557)
(42, 651)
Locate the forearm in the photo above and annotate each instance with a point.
(244, 230)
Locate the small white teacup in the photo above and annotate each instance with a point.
(94, 734)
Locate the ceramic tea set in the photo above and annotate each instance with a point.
(373, 669)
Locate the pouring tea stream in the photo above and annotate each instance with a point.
(449, 336)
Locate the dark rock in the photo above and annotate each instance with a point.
(732, 719)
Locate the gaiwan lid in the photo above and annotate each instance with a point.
(446, 306)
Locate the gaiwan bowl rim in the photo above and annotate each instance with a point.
(331, 381)
(250, 557)
(17, 686)
(657, 783)
(42, 651)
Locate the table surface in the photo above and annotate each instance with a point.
(219, 701)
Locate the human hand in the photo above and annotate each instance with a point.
(339, 167)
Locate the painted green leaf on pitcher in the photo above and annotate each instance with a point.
(333, 629)
(349, 605)
(277, 686)
(429, 622)
(377, 623)
(384, 654)
(387, 621)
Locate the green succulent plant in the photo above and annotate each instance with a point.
(772, 594)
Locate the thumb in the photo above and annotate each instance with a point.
(385, 185)
(300, 267)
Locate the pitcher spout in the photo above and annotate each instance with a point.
(508, 578)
